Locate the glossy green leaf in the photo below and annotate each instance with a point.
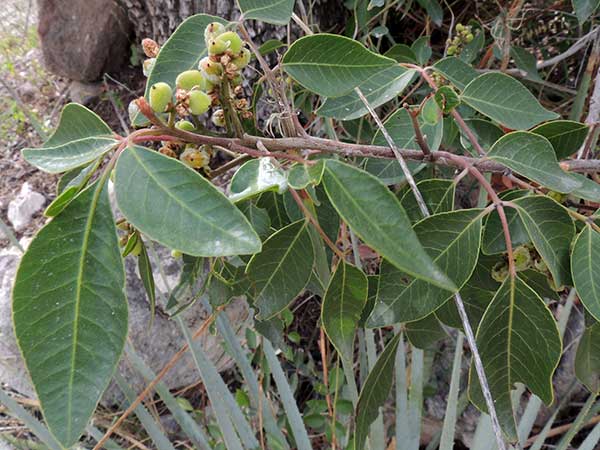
(277, 12)
(61, 201)
(343, 303)
(447, 238)
(281, 271)
(70, 311)
(81, 137)
(255, 177)
(182, 51)
(375, 391)
(438, 195)
(518, 342)
(532, 156)
(494, 241)
(551, 230)
(566, 136)
(174, 205)
(505, 100)
(376, 216)
(587, 358)
(379, 89)
(459, 73)
(585, 268)
(332, 65)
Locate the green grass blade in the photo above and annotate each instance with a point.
(447, 438)
(377, 434)
(148, 422)
(588, 410)
(592, 439)
(34, 425)
(97, 435)
(192, 429)
(226, 409)
(415, 398)
(287, 398)
(402, 430)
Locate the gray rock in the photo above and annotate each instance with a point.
(156, 345)
(83, 39)
(24, 206)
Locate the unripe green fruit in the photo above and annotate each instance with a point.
(557, 196)
(212, 30)
(211, 70)
(242, 59)
(459, 27)
(199, 102)
(189, 79)
(176, 254)
(452, 50)
(216, 47)
(231, 40)
(185, 125)
(135, 251)
(161, 95)
(218, 118)
(540, 265)
(469, 37)
(522, 258)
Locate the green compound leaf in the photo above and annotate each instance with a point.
(281, 271)
(458, 72)
(379, 89)
(81, 137)
(448, 238)
(585, 268)
(566, 136)
(376, 216)
(182, 51)
(343, 303)
(174, 205)
(70, 311)
(532, 156)
(332, 65)
(519, 342)
(375, 391)
(277, 12)
(551, 230)
(504, 99)
(587, 358)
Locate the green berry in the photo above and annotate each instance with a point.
(189, 79)
(176, 254)
(452, 50)
(522, 258)
(469, 37)
(459, 27)
(231, 40)
(160, 96)
(185, 125)
(217, 47)
(213, 30)
(242, 59)
(218, 118)
(199, 102)
(211, 70)
(540, 265)
(557, 196)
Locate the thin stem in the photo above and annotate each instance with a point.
(418, 134)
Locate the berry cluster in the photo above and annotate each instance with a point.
(216, 84)
(463, 36)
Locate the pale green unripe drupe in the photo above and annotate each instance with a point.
(176, 254)
(231, 40)
(199, 102)
(212, 30)
(160, 96)
(242, 59)
(211, 70)
(189, 79)
(216, 46)
(185, 125)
